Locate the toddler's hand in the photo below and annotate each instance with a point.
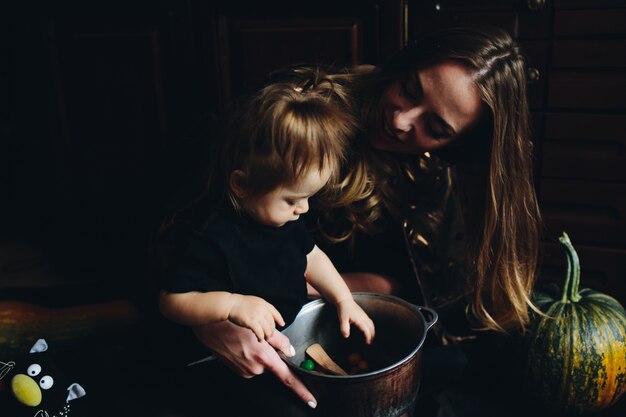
(256, 314)
(351, 313)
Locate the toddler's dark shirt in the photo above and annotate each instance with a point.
(232, 252)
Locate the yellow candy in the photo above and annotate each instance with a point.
(26, 390)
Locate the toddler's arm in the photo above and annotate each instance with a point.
(324, 277)
(199, 308)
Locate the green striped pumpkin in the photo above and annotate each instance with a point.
(576, 356)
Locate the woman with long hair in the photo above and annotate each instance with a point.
(436, 202)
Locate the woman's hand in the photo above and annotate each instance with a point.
(240, 350)
(351, 313)
(256, 314)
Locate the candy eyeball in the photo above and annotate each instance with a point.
(34, 369)
(46, 382)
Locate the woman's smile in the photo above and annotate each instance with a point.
(388, 132)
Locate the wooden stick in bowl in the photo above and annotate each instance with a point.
(319, 355)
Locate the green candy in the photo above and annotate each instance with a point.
(307, 364)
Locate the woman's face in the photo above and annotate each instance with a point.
(427, 110)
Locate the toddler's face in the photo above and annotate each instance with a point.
(287, 202)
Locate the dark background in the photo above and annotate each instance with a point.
(106, 109)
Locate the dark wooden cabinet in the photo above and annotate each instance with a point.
(523, 19)
(252, 39)
(576, 55)
(110, 89)
(583, 177)
(93, 91)
(106, 107)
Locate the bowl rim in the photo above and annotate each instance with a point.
(359, 295)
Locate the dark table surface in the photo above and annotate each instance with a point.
(129, 373)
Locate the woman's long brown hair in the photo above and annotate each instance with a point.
(493, 162)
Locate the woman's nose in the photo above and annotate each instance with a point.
(404, 119)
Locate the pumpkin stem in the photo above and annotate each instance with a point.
(568, 276)
(572, 281)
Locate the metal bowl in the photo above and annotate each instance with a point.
(391, 382)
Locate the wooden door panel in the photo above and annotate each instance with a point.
(583, 160)
(604, 53)
(594, 211)
(259, 47)
(424, 23)
(249, 49)
(587, 4)
(514, 16)
(114, 96)
(584, 146)
(114, 87)
(586, 126)
(591, 90)
(590, 22)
